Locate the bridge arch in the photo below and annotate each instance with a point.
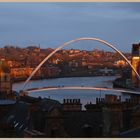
(73, 41)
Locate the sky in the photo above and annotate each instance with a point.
(52, 24)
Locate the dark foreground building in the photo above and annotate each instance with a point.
(63, 120)
(36, 117)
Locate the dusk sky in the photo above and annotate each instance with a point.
(52, 24)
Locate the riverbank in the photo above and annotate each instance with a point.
(122, 83)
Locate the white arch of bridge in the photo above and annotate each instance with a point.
(73, 41)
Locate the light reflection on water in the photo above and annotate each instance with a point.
(86, 96)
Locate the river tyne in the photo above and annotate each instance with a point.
(85, 96)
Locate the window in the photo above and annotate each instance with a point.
(5, 78)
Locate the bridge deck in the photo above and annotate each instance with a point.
(81, 88)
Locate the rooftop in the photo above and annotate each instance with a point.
(7, 102)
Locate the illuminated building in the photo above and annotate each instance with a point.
(5, 80)
(7, 99)
(136, 64)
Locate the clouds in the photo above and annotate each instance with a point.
(51, 24)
